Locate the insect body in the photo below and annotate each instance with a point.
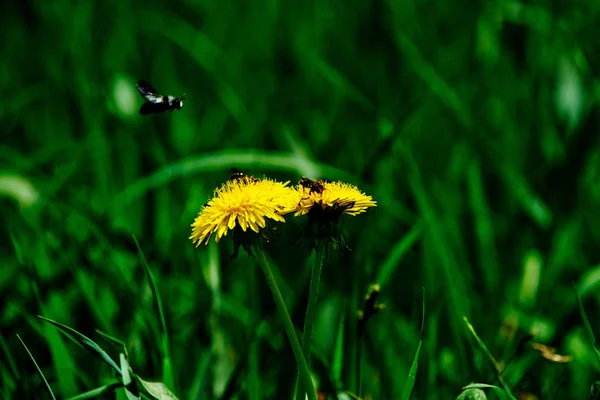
(236, 174)
(156, 103)
(313, 186)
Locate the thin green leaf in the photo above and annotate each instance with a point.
(38, 369)
(482, 346)
(158, 390)
(113, 340)
(131, 390)
(399, 250)
(85, 342)
(338, 352)
(499, 391)
(588, 327)
(167, 370)
(412, 373)
(97, 392)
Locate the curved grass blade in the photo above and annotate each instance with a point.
(472, 394)
(499, 391)
(91, 394)
(399, 250)
(113, 340)
(268, 160)
(482, 346)
(157, 390)
(412, 373)
(588, 327)
(85, 342)
(38, 369)
(167, 370)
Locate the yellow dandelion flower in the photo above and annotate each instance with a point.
(243, 205)
(338, 196)
(325, 202)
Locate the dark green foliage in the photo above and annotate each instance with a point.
(474, 125)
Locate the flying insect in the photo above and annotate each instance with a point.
(157, 103)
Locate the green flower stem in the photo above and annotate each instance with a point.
(311, 313)
(289, 327)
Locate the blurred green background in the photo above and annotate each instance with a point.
(473, 125)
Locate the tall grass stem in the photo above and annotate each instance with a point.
(311, 313)
(289, 327)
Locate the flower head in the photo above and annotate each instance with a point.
(340, 197)
(243, 205)
(325, 202)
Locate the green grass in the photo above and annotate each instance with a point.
(473, 125)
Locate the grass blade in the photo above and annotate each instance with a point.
(499, 391)
(588, 327)
(157, 390)
(399, 250)
(482, 346)
(38, 369)
(412, 373)
(472, 394)
(113, 340)
(90, 394)
(338, 353)
(131, 390)
(167, 369)
(85, 342)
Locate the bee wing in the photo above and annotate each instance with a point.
(148, 92)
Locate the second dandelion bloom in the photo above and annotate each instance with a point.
(335, 197)
(242, 205)
(325, 202)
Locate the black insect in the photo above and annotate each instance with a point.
(156, 103)
(236, 174)
(314, 186)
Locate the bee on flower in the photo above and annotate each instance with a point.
(324, 202)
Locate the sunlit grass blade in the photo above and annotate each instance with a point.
(85, 342)
(157, 390)
(167, 367)
(94, 393)
(131, 390)
(501, 393)
(233, 383)
(412, 373)
(38, 369)
(223, 160)
(588, 327)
